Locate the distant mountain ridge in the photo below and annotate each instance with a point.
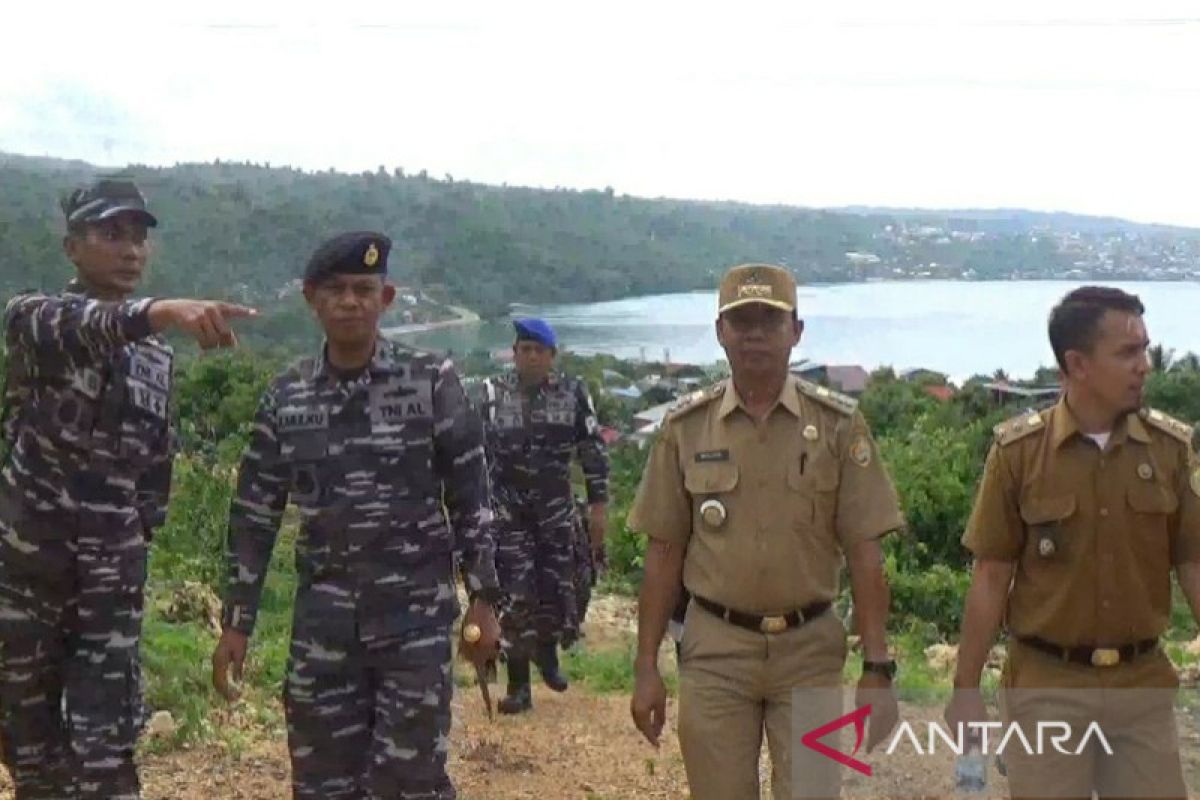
(244, 231)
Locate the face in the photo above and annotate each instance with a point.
(1114, 372)
(758, 339)
(110, 256)
(349, 306)
(533, 360)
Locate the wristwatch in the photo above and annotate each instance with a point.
(885, 668)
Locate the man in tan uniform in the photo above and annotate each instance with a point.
(1082, 512)
(755, 490)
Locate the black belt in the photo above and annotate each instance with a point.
(1091, 656)
(764, 624)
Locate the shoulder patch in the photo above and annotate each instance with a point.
(693, 400)
(1017, 428)
(843, 404)
(1168, 424)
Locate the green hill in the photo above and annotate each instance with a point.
(242, 231)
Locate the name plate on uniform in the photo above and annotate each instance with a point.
(148, 399)
(151, 368)
(399, 401)
(296, 418)
(561, 412)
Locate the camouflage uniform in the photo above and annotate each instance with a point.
(530, 440)
(369, 461)
(586, 568)
(84, 484)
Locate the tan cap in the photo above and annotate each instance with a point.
(757, 283)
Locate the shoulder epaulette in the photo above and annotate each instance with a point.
(1168, 424)
(1016, 428)
(843, 404)
(693, 400)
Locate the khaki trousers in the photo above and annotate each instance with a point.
(735, 684)
(1133, 705)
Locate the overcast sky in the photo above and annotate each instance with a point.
(1092, 107)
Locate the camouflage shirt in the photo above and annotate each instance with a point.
(387, 471)
(531, 437)
(87, 405)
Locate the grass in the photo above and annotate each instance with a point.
(176, 654)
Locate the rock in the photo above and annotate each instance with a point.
(941, 657)
(161, 724)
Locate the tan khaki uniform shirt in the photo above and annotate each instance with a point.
(798, 489)
(1094, 533)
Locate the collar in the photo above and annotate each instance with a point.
(1063, 426)
(381, 362)
(789, 398)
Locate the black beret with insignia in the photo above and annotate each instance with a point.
(351, 253)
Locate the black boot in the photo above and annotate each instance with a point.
(548, 665)
(520, 696)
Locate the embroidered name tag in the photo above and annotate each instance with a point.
(400, 400)
(150, 370)
(398, 411)
(303, 419)
(148, 399)
(712, 455)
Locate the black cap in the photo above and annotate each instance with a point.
(351, 253)
(103, 199)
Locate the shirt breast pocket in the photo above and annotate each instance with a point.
(711, 486)
(1046, 519)
(306, 452)
(1151, 506)
(812, 492)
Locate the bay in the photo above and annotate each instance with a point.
(960, 328)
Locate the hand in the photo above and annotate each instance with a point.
(206, 321)
(876, 690)
(230, 651)
(649, 703)
(487, 647)
(965, 706)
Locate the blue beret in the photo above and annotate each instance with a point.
(536, 329)
(351, 253)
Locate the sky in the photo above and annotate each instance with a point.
(1089, 107)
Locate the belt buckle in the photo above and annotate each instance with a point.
(1106, 657)
(773, 624)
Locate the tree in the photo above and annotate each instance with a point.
(1160, 358)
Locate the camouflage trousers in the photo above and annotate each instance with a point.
(536, 564)
(369, 724)
(70, 683)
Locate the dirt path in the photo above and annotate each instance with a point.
(575, 746)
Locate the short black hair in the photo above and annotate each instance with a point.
(1074, 320)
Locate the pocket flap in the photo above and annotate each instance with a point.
(1041, 510)
(818, 475)
(1152, 498)
(710, 478)
(304, 446)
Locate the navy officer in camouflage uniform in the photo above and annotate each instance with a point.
(535, 420)
(84, 484)
(379, 451)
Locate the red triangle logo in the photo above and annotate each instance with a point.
(857, 717)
